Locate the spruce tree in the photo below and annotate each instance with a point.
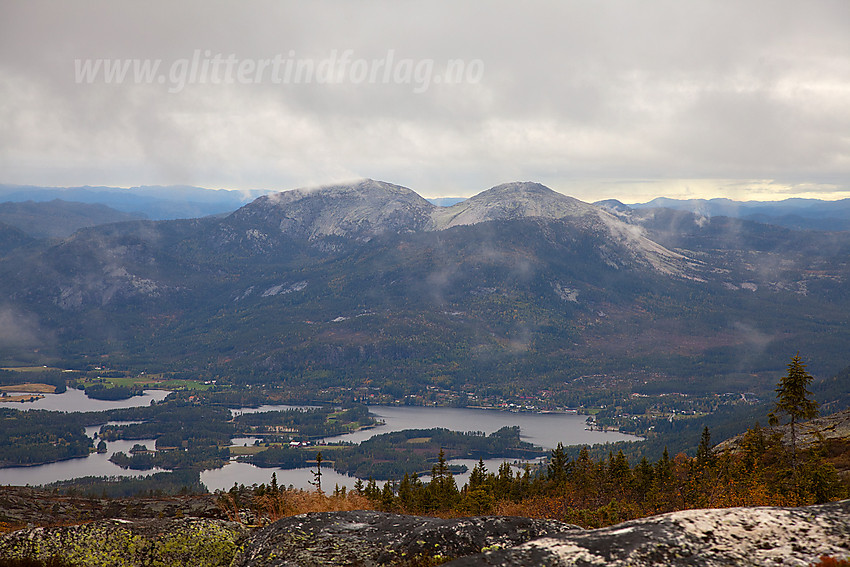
(558, 464)
(704, 456)
(793, 399)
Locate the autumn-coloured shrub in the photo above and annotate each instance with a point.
(827, 561)
(269, 505)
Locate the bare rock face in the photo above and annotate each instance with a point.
(360, 210)
(377, 538)
(517, 200)
(733, 536)
(524, 200)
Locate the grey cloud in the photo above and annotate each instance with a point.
(18, 329)
(570, 90)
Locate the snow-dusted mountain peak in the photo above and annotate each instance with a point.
(360, 210)
(511, 201)
(367, 208)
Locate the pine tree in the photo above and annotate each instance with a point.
(793, 399)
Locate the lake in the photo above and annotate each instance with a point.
(266, 408)
(93, 465)
(546, 430)
(247, 474)
(76, 400)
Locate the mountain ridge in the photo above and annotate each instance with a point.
(358, 278)
(368, 208)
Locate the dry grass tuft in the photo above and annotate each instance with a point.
(274, 505)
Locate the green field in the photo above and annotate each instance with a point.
(152, 381)
(34, 369)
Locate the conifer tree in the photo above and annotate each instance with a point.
(478, 476)
(704, 457)
(558, 464)
(793, 399)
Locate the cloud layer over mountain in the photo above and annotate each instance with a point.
(626, 100)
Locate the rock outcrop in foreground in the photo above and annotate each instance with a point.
(376, 538)
(734, 536)
(126, 543)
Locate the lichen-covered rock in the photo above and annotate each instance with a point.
(125, 543)
(369, 538)
(733, 536)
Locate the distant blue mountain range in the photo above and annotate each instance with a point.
(154, 202)
(791, 213)
(157, 202)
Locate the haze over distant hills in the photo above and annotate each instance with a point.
(57, 218)
(813, 214)
(183, 201)
(153, 202)
(367, 280)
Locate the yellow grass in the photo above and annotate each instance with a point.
(30, 387)
(286, 502)
(21, 398)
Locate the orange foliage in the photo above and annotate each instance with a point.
(827, 561)
(274, 505)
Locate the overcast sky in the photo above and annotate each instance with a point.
(628, 100)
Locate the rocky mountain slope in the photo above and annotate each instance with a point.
(359, 210)
(368, 208)
(828, 434)
(513, 201)
(518, 281)
(827, 428)
(733, 536)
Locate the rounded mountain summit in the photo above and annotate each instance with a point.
(367, 208)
